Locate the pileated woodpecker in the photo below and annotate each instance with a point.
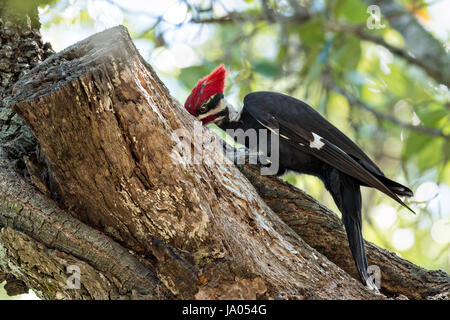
(308, 143)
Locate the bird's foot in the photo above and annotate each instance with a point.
(370, 284)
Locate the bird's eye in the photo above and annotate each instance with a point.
(203, 108)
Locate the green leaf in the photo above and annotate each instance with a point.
(312, 34)
(432, 116)
(46, 2)
(348, 53)
(310, 65)
(445, 174)
(426, 150)
(28, 5)
(338, 110)
(394, 38)
(266, 68)
(414, 144)
(190, 76)
(353, 11)
(431, 154)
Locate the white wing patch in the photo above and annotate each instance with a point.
(317, 142)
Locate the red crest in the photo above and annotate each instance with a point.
(205, 88)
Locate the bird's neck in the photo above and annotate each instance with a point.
(232, 117)
(233, 114)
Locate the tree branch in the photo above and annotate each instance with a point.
(38, 241)
(434, 62)
(359, 31)
(235, 17)
(423, 45)
(383, 116)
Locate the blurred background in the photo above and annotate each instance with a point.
(337, 56)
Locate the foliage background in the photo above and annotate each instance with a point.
(321, 52)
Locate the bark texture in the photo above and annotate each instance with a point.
(139, 222)
(21, 49)
(38, 241)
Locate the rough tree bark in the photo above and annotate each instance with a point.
(105, 123)
(21, 49)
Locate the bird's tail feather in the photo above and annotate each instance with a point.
(396, 187)
(347, 196)
(356, 243)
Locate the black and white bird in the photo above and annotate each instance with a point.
(308, 144)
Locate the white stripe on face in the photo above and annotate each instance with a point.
(220, 107)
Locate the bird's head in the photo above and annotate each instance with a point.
(206, 101)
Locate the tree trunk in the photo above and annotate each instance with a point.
(140, 223)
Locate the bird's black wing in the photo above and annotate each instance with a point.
(305, 129)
